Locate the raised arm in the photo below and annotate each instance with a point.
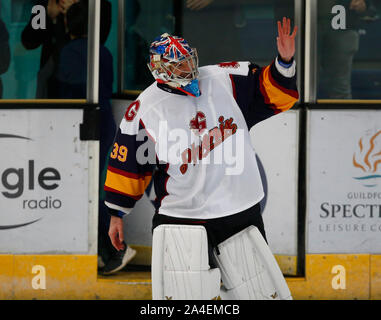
(267, 91)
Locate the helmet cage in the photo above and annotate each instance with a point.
(183, 71)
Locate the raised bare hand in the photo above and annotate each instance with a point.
(285, 40)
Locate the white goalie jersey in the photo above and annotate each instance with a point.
(198, 149)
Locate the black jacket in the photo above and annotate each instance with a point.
(53, 38)
(5, 55)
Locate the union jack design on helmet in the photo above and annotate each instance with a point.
(172, 48)
(173, 61)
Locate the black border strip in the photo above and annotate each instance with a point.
(302, 194)
(90, 127)
(178, 13)
(302, 147)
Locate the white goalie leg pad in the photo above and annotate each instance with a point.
(249, 270)
(180, 264)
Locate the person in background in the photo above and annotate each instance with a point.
(5, 53)
(71, 77)
(53, 39)
(209, 15)
(338, 47)
(137, 76)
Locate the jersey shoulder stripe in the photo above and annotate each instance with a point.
(236, 68)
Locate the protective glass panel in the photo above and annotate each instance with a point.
(43, 49)
(349, 59)
(144, 21)
(221, 31)
(243, 30)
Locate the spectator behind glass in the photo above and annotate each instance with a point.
(220, 22)
(53, 38)
(137, 75)
(5, 55)
(338, 47)
(72, 76)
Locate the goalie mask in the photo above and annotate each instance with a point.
(174, 62)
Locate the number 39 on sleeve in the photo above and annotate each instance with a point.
(119, 152)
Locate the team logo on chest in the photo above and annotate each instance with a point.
(198, 123)
(213, 138)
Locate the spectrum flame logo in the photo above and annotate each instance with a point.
(368, 159)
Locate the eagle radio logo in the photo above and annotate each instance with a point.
(367, 159)
(21, 181)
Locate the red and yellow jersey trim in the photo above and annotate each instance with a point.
(281, 99)
(126, 183)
